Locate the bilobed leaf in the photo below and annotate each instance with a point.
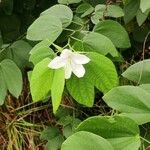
(132, 101)
(61, 12)
(114, 31)
(41, 51)
(41, 80)
(86, 141)
(45, 27)
(57, 88)
(139, 72)
(95, 42)
(12, 77)
(121, 132)
(68, 1)
(101, 71)
(144, 5)
(82, 90)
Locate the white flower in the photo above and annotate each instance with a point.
(71, 62)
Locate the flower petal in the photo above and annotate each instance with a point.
(68, 71)
(57, 63)
(78, 70)
(80, 59)
(66, 53)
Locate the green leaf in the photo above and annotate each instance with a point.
(131, 9)
(41, 80)
(83, 8)
(145, 87)
(141, 17)
(57, 88)
(49, 133)
(82, 90)
(41, 51)
(131, 101)
(1, 40)
(45, 27)
(87, 12)
(68, 1)
(19, 52)
(121, 132)
(55, 143)
(139, 72)
(144, 5)
(8, 6)
(3, 89)
(86, 141)
(11, 75)
(95, 42)
(114, 31)
(101, 71)
(102, 11)
(61, 12)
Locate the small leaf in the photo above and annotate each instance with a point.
(132, 101)
(86, 141)
(61, 12)
(49, 133)
(12, 76)
(121, 132)
(139, 72)
(114, 31)
(57, 88)
(82, 90)
(45, 27)
(41, 80)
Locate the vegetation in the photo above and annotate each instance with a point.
(74, 74)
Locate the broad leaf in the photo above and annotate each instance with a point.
(144, 5)
(121, 132)
(41, 51)
(95, 42)
(19, 52)
(11, 75)
(82, 90)
(61, 12)
(132, 101)
(41, 80)
(139, 72)
(57, 88)
(101, 71)
(45, 27)
(141, 17)
(86, 141)
(3, 89)
(114, 31)
(131, 9)
(145, 87)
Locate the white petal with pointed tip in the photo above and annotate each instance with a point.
(57, 63)
(80, 59)
(68, 71)
(78, 70)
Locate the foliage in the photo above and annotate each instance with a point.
(113, 35)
